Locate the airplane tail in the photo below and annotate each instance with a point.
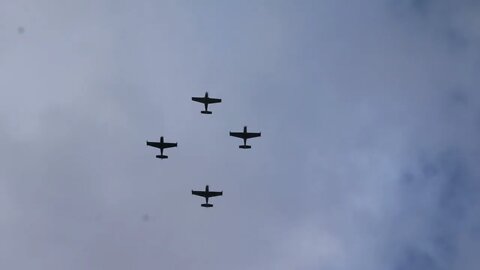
(207, 205)
(206, 112)
(245, 146)
(161, 156)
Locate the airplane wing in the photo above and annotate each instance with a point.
(215, 193)
(168, 145)
(214, 100)
(238, 134)
(200, 99)
(161, 145)
(207, 194)
(247, 135)
(252, 135)
(154, 144)
(199, 193)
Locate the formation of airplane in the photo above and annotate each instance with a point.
(245, 135)
(207, 194)
(206, 100)
(161, 145)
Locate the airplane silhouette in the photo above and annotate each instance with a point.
(161, 145)
(245, 135)
(207, 194)
(206, 100)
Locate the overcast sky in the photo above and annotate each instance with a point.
(369, 156)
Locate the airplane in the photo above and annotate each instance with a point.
(207, 194)
(206, 100)
(245, 135)
(161, 145)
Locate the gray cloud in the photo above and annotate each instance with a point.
(368, 111)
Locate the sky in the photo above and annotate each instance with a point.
(370, 121)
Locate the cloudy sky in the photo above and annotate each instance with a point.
(370, 121)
